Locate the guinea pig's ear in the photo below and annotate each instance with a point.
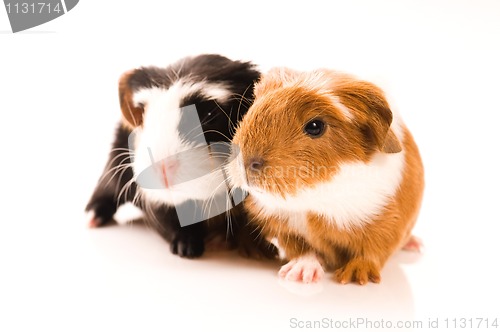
(274, 79)
(372, 112)
(132, 114)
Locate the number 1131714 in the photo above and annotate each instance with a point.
(33, 8)
(470, 323)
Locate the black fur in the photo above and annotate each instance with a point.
(186, 241)
(108, 195)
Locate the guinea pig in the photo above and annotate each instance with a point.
(332, 173)
(165, 158)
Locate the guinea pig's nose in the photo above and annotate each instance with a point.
(255, 163)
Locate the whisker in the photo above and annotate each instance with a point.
(120, 168)
(212, 195)
(202, 123)
(123, 190)
(122, 149)
(229, 206)
(151, 216)
(242, 99)
(230, 123)
(122, 163)
(126, 153)
(217, 132)
(121, 171)
(138, 199)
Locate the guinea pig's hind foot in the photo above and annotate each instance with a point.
(304, 269)
(187, 245)
(414, 244)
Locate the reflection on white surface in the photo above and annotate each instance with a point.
(302, 289)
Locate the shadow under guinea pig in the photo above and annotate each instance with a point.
(391, 299)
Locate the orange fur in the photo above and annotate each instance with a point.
(272, 129)
(132, 115)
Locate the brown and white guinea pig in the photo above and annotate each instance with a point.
(165, 158)
(332, 173)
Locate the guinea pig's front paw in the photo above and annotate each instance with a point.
(305, 269)
(187, 245)
(100, 213)
(358, 270)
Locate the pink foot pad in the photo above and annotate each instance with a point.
(92, 221)
(414, 244)
(306, 269)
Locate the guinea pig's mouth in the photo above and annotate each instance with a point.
(263, 195)
(258, 190)
(256, 183)
(266, 186)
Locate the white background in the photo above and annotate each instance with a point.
(439, 64)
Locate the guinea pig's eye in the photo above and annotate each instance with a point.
(208, 111)
(210, 117)
(314, 128)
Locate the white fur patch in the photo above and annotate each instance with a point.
(159, 138)
(184, 89)
(321, 83)
(298, 222)
(352, 198)
(306, 268)
(342, 108)
(236, 170)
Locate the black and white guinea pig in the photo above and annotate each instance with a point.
(166, 157)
